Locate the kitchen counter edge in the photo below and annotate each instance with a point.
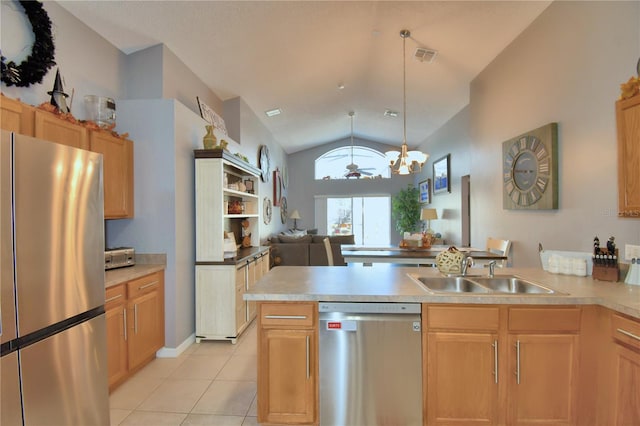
(118, 276)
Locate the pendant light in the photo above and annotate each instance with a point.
(405, 162)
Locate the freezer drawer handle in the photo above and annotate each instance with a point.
(111, 299)
(626, 333)
(142, 287)
(302, 317)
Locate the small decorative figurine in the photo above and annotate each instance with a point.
(611, 246)
(596, 245)
(246, 234)
(58, 97)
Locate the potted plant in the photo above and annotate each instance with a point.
(405, 209)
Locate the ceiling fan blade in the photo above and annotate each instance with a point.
(365, 173)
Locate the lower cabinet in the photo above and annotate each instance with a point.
(501, 365)
(135, 325)
(221, 311)
(626, 370)
(287, 363)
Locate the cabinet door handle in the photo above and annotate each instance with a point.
(111, 299)
(286, 317)
(518, 361)
(124, 314)
(629, 334)
(308, 366)
(142, 287)
(495, 360)
(135, 318)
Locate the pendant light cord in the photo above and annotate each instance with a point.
(404, 34)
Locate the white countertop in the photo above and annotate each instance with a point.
(385, 283)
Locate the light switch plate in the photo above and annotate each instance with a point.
(631, 252)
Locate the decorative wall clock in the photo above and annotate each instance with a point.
(530, 170)
(266, 210)
(264, 163)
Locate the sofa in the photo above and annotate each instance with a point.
(306, 250)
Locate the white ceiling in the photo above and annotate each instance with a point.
(294, 54)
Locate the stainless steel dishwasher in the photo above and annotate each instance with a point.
(370, 364)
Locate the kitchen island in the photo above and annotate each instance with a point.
(385, 283)
(580, 344)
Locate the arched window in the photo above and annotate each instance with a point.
(370, 163)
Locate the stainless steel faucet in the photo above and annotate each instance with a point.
(492, 268)
(467, 262)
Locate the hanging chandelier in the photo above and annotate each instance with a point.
(405, 162)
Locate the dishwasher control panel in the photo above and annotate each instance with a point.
(370, 308)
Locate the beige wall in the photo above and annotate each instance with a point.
(565, 68)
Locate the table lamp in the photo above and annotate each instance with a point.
(295, 216)
(428, 215)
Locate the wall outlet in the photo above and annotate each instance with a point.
(631, 252)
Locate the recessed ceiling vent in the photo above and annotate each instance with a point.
(425, 55)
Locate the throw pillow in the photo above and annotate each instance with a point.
(303, 239)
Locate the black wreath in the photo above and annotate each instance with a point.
(35, 67)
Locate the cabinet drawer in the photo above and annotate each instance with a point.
(115, 295)
(143, 285)
(463, 318)
(625, 330)
(288, 314)
(544, 319)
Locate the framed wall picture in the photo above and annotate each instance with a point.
(441, 175)
(425, 191)
(277, 187)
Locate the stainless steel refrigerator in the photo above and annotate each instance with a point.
(53, 346)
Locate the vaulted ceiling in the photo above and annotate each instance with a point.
(296, 56)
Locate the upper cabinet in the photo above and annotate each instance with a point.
(628, 121)
(118, 173)
(16, 116)
(50, 127)
(117, 152)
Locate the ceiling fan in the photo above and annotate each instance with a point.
(352, 169)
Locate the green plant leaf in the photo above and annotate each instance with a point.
(405, 209)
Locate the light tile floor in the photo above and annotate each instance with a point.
(211, 383)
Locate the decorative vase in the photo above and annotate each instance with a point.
(209, 140)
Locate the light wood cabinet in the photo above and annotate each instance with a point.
(628, 124)
(461, 364)
(135, 325)
(116, 316)
(146, 310)
(117, 166)
(50, 127)
(501, 365)
(16, 116)
(287, 363)
(626, 370)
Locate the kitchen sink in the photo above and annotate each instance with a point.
(512, 284)
(500, 284)
(451, 285)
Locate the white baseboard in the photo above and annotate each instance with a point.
(175, 352)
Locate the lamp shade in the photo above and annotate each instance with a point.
(295, 215)
(428, 214)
